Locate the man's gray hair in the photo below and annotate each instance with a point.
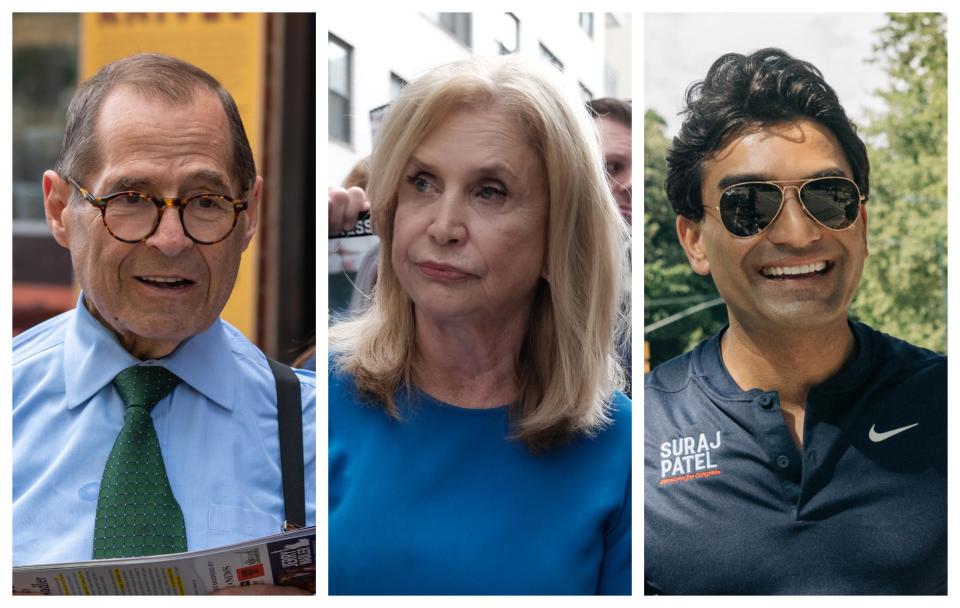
(157, 77)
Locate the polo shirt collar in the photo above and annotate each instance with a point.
(92, 358)
(857, 372)
(707, 364)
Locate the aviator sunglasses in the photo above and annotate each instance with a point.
(747, 209)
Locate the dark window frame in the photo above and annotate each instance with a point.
(516, 28)
(548, 55)
(397, 82)
(458, 26)
(586, 93)
(586, 21)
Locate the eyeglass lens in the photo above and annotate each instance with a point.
(132, 216)
(746, 209)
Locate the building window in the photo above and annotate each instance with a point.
(339, 70)
(396, 83)
(549, 57)
(586, 23)
(457, 25)
(585, 93)
(510, 37)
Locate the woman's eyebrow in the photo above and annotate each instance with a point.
(497, 169)
(421, 164)
(494, 167)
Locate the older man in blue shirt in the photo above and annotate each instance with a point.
(145, 134)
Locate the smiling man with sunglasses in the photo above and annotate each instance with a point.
(144, 424)
(797, 451)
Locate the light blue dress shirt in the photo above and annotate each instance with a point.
(217, 432)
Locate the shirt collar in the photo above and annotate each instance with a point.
(707, 363)
(92, 357)
(857, 371)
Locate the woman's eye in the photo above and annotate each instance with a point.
(613, 168)
(491, 192)
(419, 183)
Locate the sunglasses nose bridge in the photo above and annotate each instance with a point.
(793, 225)
(797, 195)
(784, 189)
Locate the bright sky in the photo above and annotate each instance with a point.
(679, 49)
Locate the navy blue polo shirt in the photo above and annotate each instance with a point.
(733, 507)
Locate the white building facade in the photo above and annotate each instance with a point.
(369, 59)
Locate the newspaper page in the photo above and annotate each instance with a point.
(282, 559)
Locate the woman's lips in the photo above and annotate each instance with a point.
(442, 272)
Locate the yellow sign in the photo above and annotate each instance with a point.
(231, 47)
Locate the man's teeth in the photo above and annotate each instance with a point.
(162, 279)
(779, 271)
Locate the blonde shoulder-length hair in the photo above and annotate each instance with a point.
(567, 367)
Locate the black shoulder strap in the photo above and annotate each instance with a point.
(290, 423)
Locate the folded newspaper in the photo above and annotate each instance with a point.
(282, 559)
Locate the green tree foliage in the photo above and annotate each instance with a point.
(670, 286)
(904, 285)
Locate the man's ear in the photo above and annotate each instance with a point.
(690, 234)
(253, 211)
(56, 200)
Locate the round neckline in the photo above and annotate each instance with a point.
(425, 397)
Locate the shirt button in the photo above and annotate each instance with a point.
(765, 402)
(782, 461)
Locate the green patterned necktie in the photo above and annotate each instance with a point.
(137, 513)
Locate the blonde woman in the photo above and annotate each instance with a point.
(478, 440)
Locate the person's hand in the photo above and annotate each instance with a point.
(262, 590)
(344, 206)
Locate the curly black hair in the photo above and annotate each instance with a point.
(743, 91)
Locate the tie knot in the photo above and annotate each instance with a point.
(144, 385)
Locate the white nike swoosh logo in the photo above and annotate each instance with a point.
(878, 437)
